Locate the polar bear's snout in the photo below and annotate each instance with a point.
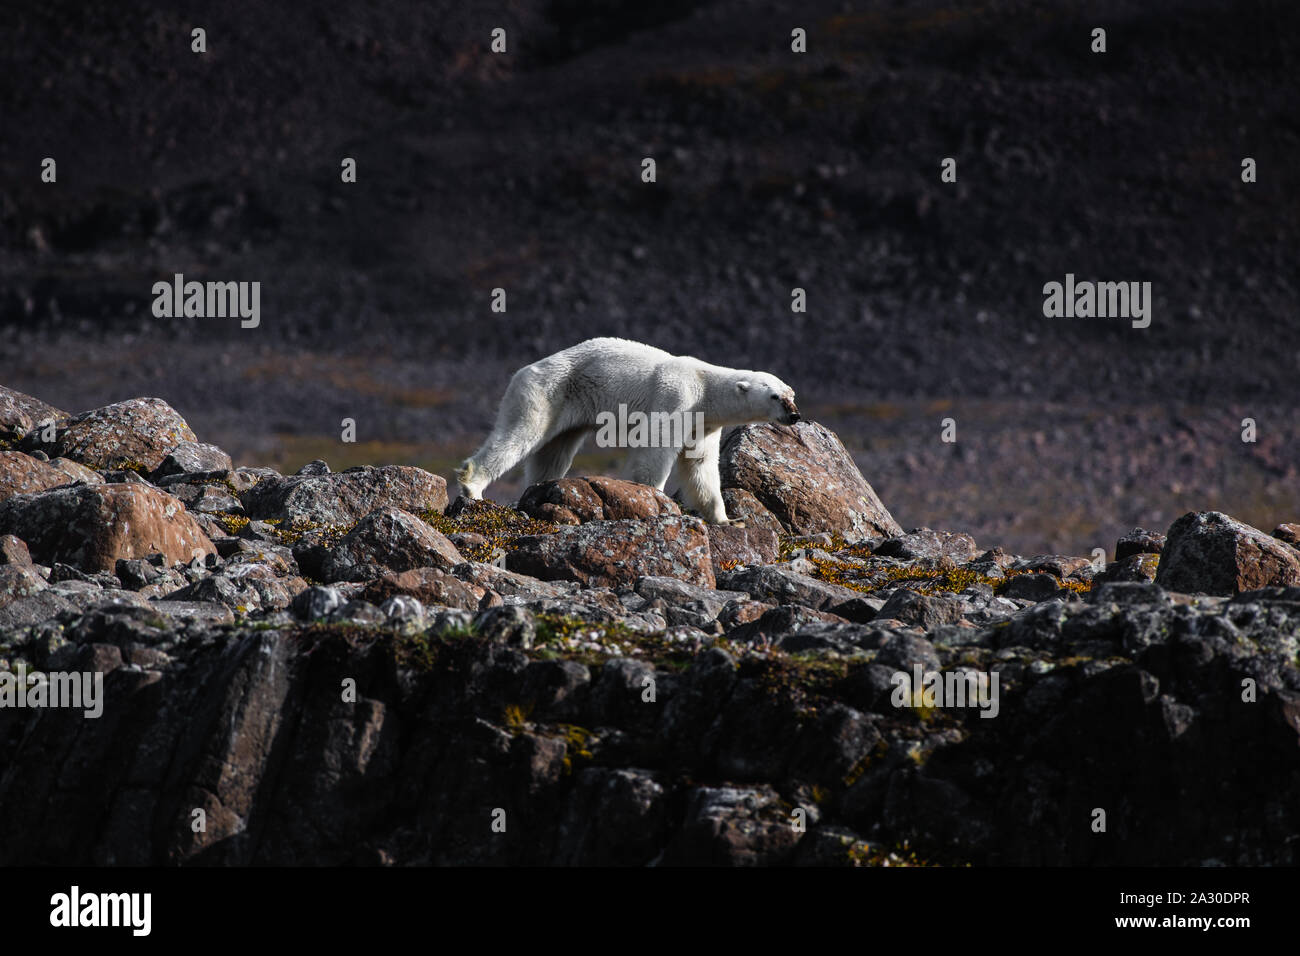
(791, 412)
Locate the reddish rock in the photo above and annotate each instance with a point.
(736, 613)
(1212, 553)
(744, 508)
(1290, 533)
(731, 547)
(76, 471)
(24, 475)
(91, 526)
(136, 433)
(613, 553)
(19, 413)
(429, 586)
(467, 540)
(576, 500)
(14, 551)
(805, 477)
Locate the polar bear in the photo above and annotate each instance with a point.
(553, 405)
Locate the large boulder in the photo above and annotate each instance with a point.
(389, 539)
(19, 413)
(614, 553)
(575, 500)
(137, 433)
(24, 475)
(91, 527)
(803, 475)
(342, 498)
(1212, 553)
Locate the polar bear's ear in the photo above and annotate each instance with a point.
(742, 386)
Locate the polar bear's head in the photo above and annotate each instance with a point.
(766, 398)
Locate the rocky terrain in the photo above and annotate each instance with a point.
(775, 170)
(350, 668)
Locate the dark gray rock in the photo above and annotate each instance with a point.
(782, 586)
(189, 456)
(928, 545)
(926, 610)
(388, 540)
(343, 498)
(1211, 553)
(1139, 541)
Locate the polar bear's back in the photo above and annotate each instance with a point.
(601, 373)
(608, 350)
(604, 362)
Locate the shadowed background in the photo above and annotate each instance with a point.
(775, 170)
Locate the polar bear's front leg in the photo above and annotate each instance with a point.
(701, 480)
(524, 422)
(472, 479)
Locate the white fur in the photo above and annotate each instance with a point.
(551, 406)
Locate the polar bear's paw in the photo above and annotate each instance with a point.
(470, 484)
(725, 522)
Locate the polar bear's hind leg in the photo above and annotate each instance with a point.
(554, 459)
(651, 466)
